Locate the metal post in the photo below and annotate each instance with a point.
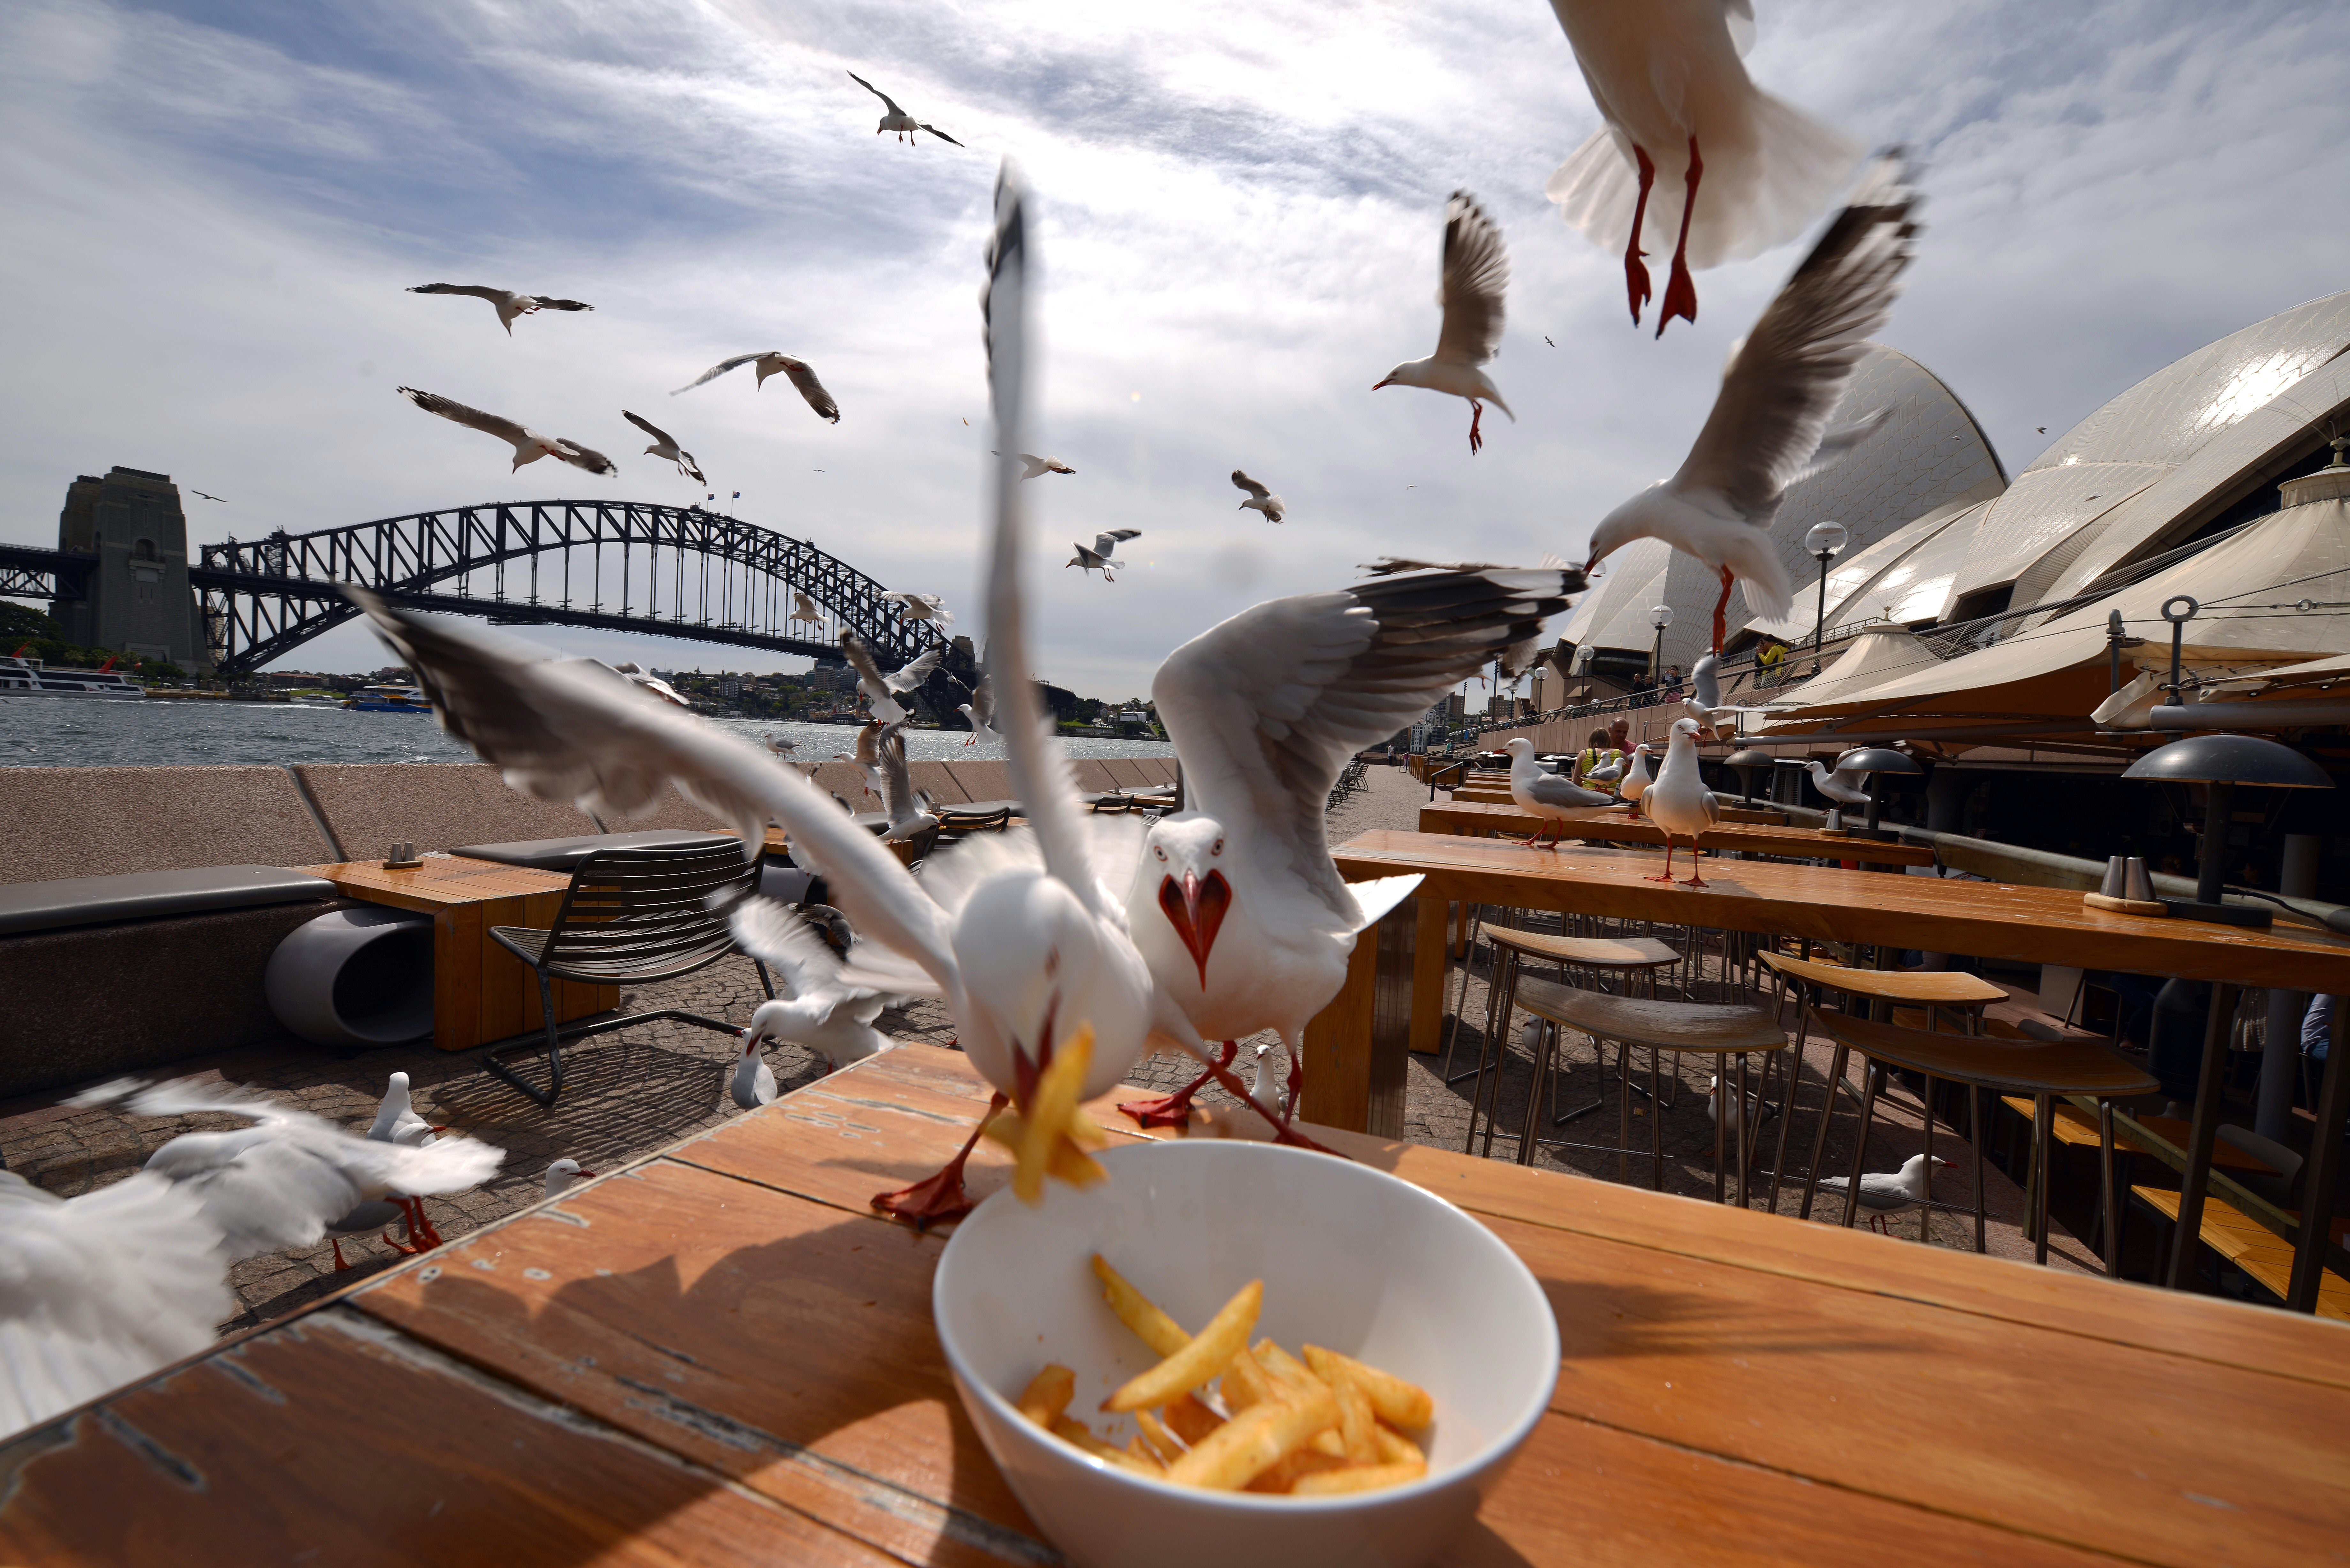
(2220, 802)
(1820, 623)
(2319, 1176)
(2281, 1052)
(2113, 652)
(2202, 1133)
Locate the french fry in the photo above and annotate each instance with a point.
(1355, 1477)
(1356, 1418)
(1068, 1162)
(1138, 1312)
(1078, 1435)
(1293, 1379)
(1190, 1419)
(1394, 1448)
(1143, 1454)
(1245, 1382)
(1048, 1394)
(1053, 1114)
(1208, 1354)
(1305, 1461)
(1255, 1441)
(1163, 1446)
(1401, 1405)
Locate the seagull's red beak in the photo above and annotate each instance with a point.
(1195, 910)
(1376, 385)
(585, 1173)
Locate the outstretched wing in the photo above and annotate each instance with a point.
(861, 660)
(1770, 418)
(719, 370)
(479, 291)
(876, 92)
(804, 376)
(1256, 492)
(804, 960)
(547, 304)
(587, 457)
(649, 427)
(473, 418)
(912, 673)
(1476, 276)
(934, 131)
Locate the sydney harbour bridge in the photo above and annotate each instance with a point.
(615, 566)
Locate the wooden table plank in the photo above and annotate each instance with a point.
(1470, 819)
(2253, 1247)
(333, 1440)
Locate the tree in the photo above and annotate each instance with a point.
(21, 621)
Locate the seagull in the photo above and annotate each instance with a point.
(1844, 788)
(869, 756)
(980, 713)
(832, 1019)
(1667, 78)
(1260, 498)
(1546, 339)
(898, 120)
(1239, 909)
(507, 303)
(782, 746)
(909, 811)
(665, 445)
(1679, 801)
(771, 363)
(882, 692)
(1476, 274)
(1885, 1193)
(396, 1121)
(1769, 424)
(1097, 559)
(922, 607)
(639, 676)
(1544, 795)
(805, 609)
(529, 446)
(207, 495)
(1265, 1090)
(1634, 781)
(1034, 467)
(561, 1173)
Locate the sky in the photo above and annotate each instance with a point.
(213, 210)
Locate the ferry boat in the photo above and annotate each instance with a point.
(22, 677)
(388, 700)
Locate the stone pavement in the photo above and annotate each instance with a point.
(638, 1091)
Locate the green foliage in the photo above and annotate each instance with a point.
(20, 622)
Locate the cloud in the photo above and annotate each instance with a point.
(1239, 210)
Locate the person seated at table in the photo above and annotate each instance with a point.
(1599, 751)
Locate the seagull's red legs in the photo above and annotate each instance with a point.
(1635, 276)
(1695, 877)
(1284, 1129)
(1722, 611)
(341, 1266)
(1680, 289)
(422, 1236)
(938, 1197)
(1667, 876)
(1476, 412)
(1175, 1110)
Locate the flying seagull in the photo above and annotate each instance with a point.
(1669, 86)
(805, 609)
(529, 446)
(882, 692)
(194, 492)
(1035, 467)
(908, 809)
(922, 607)
(980, 713)
(1259, 497)
(1097, 559)
(771, 363)
(1769, 424)
(1476, 274)
(898, 120)
(665, 445)
(507, 303)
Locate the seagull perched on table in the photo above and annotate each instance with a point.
(561, 1173)
(665, 445)
(804, 608)
(1885, 1193)
(772, 363)
(1476, 276)
(833, 1019)
(1238, 905)
(528, 445)
(898, 120)
(1667, 78)
(1097, 559)
(1035, 467)
(922, 607)
(1545, 794)
(1635, 781)
(1259, 497)
(882, 692)
(507, 303)
(1842, 787)
(1679, 801)
(1769, 424)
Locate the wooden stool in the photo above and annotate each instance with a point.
(2021, 1066)
(1625, 956)
(1677, 1027)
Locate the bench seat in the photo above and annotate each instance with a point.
(27, 907)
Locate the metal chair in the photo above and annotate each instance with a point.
(631, 917)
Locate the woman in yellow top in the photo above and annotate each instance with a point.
(1767, 663)
(1597, 754)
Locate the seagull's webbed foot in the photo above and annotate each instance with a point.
(1635, 276)
(1175, 1110)
(1695, 882)
(1680, 289)
(1722, 611)
(940, 1196)
(1476, 416)
(341, 1265)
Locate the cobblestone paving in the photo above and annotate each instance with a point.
(636, 1091)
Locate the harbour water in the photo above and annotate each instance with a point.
(54, 732)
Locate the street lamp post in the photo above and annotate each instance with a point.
(1661, 618)
(1824, 541)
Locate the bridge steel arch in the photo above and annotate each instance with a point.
(260, 599)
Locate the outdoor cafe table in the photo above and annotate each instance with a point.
(1393, 1000)
(1470, 818)
(719, 1355)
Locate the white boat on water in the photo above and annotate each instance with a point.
(30, 678)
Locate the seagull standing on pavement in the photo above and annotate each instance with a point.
(898, 120)
(882, 692)
(1476, 274)
(507, 303)
(1542, 794)
(774, 363)
(1769, 424)
(1679, 801)
(1097, 559)
(833, 1019)
(665, 445)
(528, 445)
(1885, 1193)
(1668, 82)
(1259, 497)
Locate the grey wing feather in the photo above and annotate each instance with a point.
(1256, 491)
(804, 376)
(934, 131)
(913, 673)
(547, 304)
(1551, 790)
(473, 418)
(719, 370)
(477, 291)
(876, 92)
(589, 458)
(1476, 277)
(649, 427)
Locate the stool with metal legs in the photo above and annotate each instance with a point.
(1599, 956)
(1985, 1064)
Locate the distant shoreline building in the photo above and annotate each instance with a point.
(138, 600)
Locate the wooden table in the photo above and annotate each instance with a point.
(719, 1355)
(481, 992)
(1502, 796)
(1604, 822)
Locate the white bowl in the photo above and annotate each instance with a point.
(1352, 1259)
